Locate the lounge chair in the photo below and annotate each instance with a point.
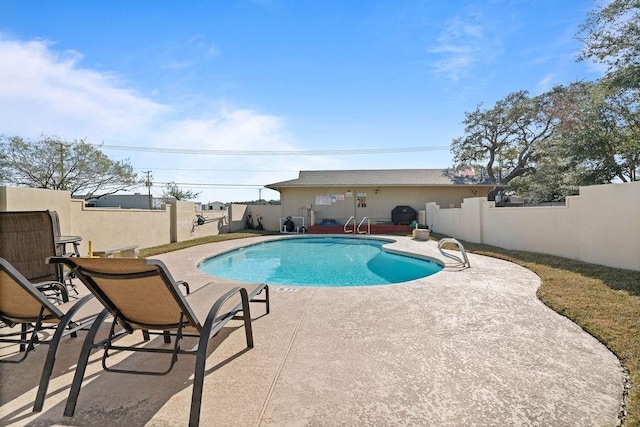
(22, 303)
(141, 295)
(27, 239)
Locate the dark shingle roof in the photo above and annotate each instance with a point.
(378, 177)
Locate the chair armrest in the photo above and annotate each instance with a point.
(185, 284)
(57, 287)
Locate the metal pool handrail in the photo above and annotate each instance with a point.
(366, 218)
(464, 260)
(347, 223)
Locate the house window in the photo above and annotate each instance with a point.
(361, 200)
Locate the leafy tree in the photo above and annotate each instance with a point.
(611, 35)
(171, 190)
(583, 134)
(554, 180)
(77, 167)
(259, 202)
(596, 140)
(600, 132)
(503, 141)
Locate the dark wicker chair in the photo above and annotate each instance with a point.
(41, 322)
(141, 295)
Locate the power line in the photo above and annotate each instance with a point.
(206, 185)
(218, 170)
(276, 153)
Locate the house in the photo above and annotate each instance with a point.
(125, 201)
(213, 206)
(322, 197)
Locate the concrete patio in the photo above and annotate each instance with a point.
(462, 347)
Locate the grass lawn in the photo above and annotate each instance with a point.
(148, 252)
(604, 301)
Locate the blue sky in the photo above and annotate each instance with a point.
(266, 76)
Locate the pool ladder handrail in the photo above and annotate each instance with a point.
(464, 261)
(346, 224)
(366, 218)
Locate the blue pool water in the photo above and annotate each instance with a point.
(318, 261)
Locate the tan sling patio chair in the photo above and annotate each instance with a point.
(140, 294)
(27, 239)
(22, 303)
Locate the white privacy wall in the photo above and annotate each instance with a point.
(600, 226)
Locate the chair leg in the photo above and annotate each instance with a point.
(198, 378)
(264, 300)
(72, 400)
(27, 345)
(51, 355)
(147, 336)
(48, 369)
(201, 352)
(24, 327)
(266, 289)
(246, 315)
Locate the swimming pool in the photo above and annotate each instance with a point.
(318, 261)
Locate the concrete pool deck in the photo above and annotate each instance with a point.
(462, 347)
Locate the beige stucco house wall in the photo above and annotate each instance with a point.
(338, 195)
(340, 203)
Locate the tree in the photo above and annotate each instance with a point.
(76, 166)
(171, 190)
(259, 202)
(611, 35)
(600, 133)
(554, 180)
(503, 141)
(584, 134)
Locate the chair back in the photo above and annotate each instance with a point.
(55, 222)
(21, 301)
(27, 239)
(141, 295)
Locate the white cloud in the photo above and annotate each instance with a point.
(240, 129)
(462, 44)
(49, 92)
(201, 44)
(176, 65)
(545, 84)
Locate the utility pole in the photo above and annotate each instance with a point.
(148, 185)
(58, 185)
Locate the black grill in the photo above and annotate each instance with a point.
(403, 215)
